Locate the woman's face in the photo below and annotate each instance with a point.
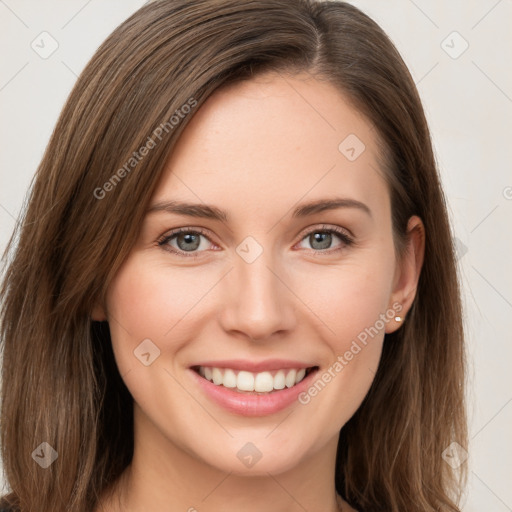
(267, 286)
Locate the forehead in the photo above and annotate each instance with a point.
(273, 141)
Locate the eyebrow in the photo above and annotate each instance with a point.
(205, 211)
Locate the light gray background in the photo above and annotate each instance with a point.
(468, 100)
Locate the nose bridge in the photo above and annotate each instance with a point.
(259, 303)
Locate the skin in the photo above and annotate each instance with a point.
(257, 150)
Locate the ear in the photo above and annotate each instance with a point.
(98, 313)
(407, 272)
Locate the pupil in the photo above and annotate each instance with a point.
(323, 238)
(188, 238)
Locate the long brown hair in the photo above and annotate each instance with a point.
(60, 381)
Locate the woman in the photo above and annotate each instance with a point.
(235, 284)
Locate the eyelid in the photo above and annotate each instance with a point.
(162, 240)
(326, 227)
(344, 234)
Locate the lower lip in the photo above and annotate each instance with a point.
(246, 404)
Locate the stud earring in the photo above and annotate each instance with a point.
(398, 318)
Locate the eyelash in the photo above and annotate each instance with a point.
(344, 237)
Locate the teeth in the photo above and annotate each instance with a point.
(279, 380)
(229, 379)
(217, 376)
(290, 378)
(245, 381)
(263, 382)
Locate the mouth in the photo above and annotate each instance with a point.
(265, 382)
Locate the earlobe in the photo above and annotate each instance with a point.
(408, 273)
(397, 320)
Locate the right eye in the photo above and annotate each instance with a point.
(184, 242)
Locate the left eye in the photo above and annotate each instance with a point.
(322, 239)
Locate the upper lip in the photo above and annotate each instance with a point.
(255, 366)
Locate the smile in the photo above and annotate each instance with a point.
(250, 388)
(250, 382)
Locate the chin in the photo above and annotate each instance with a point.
(253, 455)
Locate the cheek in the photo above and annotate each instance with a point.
(353, 334)
(347, 299)
(147, 301)
(351, 303)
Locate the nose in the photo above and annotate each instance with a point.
(258, 302)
